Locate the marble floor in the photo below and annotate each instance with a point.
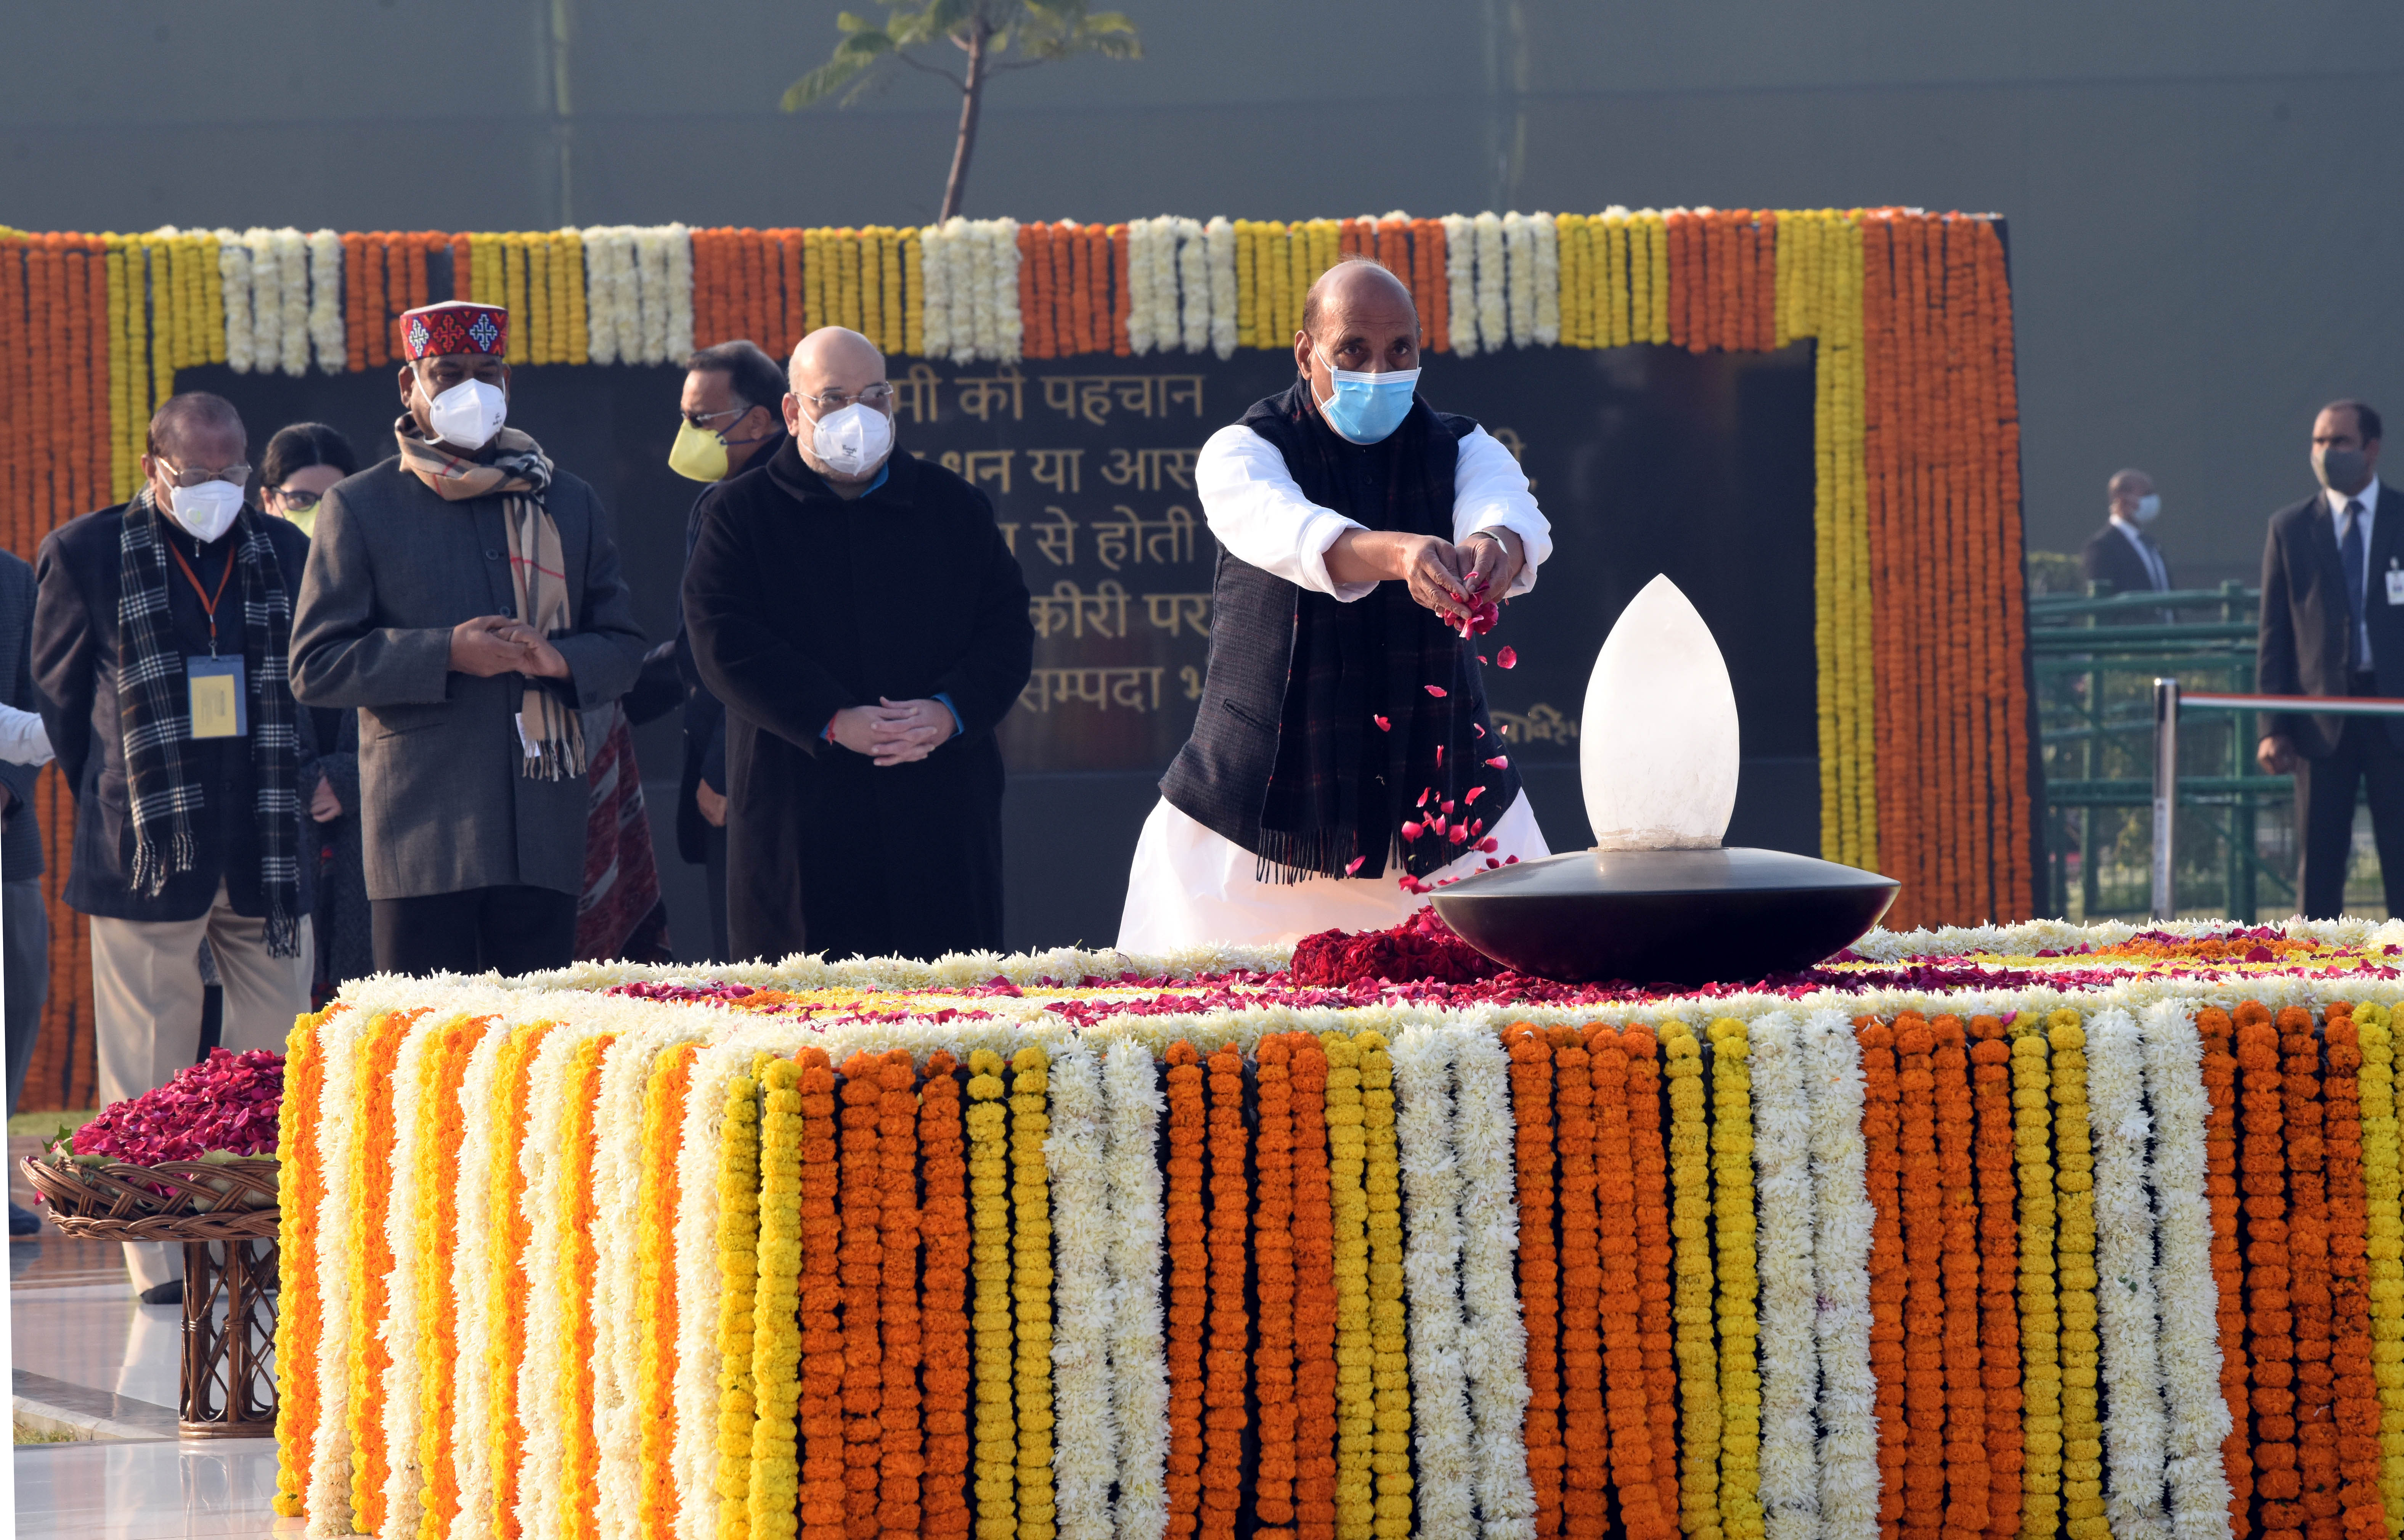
(88, 1354)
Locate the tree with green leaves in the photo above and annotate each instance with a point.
(984, 29)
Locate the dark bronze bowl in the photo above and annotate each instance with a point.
(1667, 917)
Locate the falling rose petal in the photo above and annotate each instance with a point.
(1509, 657)
(1383, 725)
(1353, 865)
(1439, 756)
(1424, 795)
(1436, 823)
(1474, 792)
(1476, 826)
(1447, 807)
(1436, 690)
(1500, 762)
(1489, 844)
(1413, 831)
(1459, 834)
(1478, 728)
(1481, 657)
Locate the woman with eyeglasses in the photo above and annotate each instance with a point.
(301, 462)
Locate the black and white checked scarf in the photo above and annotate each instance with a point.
(154, 709)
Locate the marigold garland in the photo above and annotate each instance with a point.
(860, 1269)
(1315, 1303)
(580, 1261)
(1273, 1245)
(663, 1099)
(944, 1221)
(997, 1429)
(1532, 1100)
(1188, 1287)
(509, 1283)
(1626, 1401)
(1650, 1168)
(2381, 1184)
(1883, 1172)
(1739, 1283)
(1348, 1153)
(1224, 1380)
(371, 1258)
(738, 1248)
(436, 1226)
(1924, 1234)
(2354, 1381)
(902, 1456)
(299, 1310)
(1389, 1343)
(2040, 1321)
(818, 1289)
(2219, 1076)
(2308, 1252)
(1698, 1356)
(2082, 1433)
(1030, 1207)
(1999, 1344)
(1586, 1428)
(773, 1489)
(1968, 1484)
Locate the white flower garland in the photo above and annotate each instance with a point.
(543, 1370)
(1840, 1254)
(2133, 1433)
(471, 1265)
(600, 294)
(233, 281)
(1219, 236)
(1461, 285)
(1194, 279)
(651, 293)
(1009, 325)
(935, 293)
(2189, 1298)
(1138, 1348)
(1446, 1460)
(1547, 235)
(404, 1480)
(1782, 1154)
(1142, 236)
(330, 1448)
(677, 342)
(1493, 317)
(292, 281)
(617, 1283)
(1494, 1338)
(698, 1286)
(969, 281)
(1085, 1457)
(326, 301)
(264, 303)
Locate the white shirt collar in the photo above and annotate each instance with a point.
(2128, 528)
(2369, 497)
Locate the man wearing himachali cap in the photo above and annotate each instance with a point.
(465, 597)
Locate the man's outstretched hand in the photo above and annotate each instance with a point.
(1433, 569)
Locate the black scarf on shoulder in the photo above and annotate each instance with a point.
(1342, 787)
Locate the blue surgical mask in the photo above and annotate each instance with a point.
(1365, 408)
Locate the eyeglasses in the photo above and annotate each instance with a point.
(699, 421)
(879, 396)
(298, 502)
(238, 474)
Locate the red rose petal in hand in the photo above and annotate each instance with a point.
(1500, 762)
(1509, 657)
(1353, 865)
(1383, 725)
(1436, 690)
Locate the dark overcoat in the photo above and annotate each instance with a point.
(444, 806)
(2302, 646)
(800, 604)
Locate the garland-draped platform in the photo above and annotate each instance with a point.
(2018, 1232)
(1920, 632)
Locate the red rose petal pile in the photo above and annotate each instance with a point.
(227, 1101)
(1422, 947)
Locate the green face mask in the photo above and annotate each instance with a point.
(305, 518)
(697, 454)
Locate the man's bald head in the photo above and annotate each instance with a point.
(195, 420)
(835, 358)
(1358, 317)
(1350, 284)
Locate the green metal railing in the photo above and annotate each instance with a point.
(2095, 657)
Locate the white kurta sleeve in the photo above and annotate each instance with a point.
(1490, 491)
(22, 738)
(1257, 512)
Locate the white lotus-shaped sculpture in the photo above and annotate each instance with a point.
(1657, 749)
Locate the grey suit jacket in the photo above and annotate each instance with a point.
(444, 806)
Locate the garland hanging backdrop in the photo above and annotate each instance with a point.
(2029, 1231)
(1923, 747)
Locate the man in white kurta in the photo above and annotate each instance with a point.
(1222, 878)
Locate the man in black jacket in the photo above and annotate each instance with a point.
(24, 921)
(2123, 553)
(161, 647)
(860, 615)
(2333, 624)
(731, 422)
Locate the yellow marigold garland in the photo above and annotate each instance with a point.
(997, 1433)
(299, 1317)
(1740, 1285)
(164, 310)
(914, 304)
(738, 1272)
(776, 1329)
(664, 1099)
(1348, 1154)
(2383, 1183)
(1390, 1357)
(2082, 1432)
(436, 1228)
(1690, 1225)
(371, 1260)
(1030, 1204)
(2040, 1317)
(576, 341)
(579, 1262)
(506, 1284)
(814, 280)
(514, 285)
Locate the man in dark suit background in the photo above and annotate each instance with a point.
(2333, 624)
(2122, 552)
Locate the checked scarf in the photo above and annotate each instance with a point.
(154, 707)
(519, 473)
(1342, 787)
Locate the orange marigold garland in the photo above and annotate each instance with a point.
(1923, 1245)
(2308, 1259)
(1225, 1421)
(1649, 1165)
(902, 1456)
(663, 1099)
(1999, 1248)
(1188, 1286)
(2228, 1260)
(944, 1322)
(1882, 1165)
(820, 1406)
(301, 1189)
(1273, 1247)
(2269, 1307)
(1531, 1105)
(1314, 1298)
(2353, 1379)
(510, 1285)
(1967, 1483)
(1586, 1427)
(1123, 306)
(579, 1260)
(1623, 1350)
(861, 1269)
(1034, 292)
(371, 1356)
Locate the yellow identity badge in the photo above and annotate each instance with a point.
(219, 707)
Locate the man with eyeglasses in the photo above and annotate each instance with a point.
(465, 597)
(865, 623)
(162, 646)
(731, 422)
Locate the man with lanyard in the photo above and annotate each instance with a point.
(162, 644)
(465, 597)
(1342, 758)
(732, 393)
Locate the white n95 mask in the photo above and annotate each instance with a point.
(469, 414)
(208, 509)
(850, 441)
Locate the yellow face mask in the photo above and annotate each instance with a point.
(697, 454)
